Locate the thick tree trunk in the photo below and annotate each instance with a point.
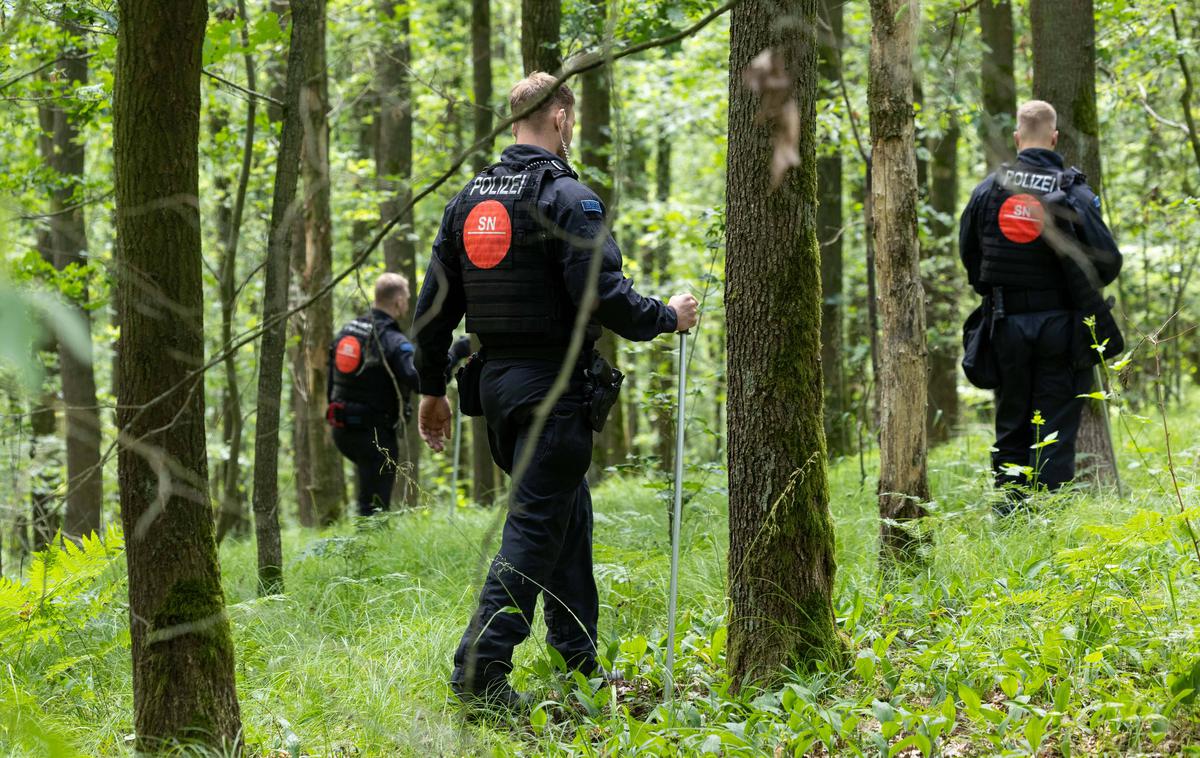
(233, 516)
(183, 675)
(903, 485)
(393, 162)
(1064, 75)
(830, 233)
(328, 486)
(67, 242)
(540, 49)
(941, 307)
(277, 272)
(483, 470)
(781, 546)
(996, 81)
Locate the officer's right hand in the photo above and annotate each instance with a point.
(685, 307)
(433, 421)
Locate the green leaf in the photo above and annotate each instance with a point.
(969, 697)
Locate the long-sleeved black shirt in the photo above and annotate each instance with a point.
(578, 213)
(384, 388)
(1089, 227)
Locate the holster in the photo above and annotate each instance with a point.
(604, 386)
(470, 380)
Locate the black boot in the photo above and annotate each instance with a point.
(496, 695)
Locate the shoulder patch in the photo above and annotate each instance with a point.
(592, 208)
(407, 347)
(1096, 201)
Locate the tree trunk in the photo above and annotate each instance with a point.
(328, 487)
(996, 81)
(277, 272)
(68, 247)
(540, 49)
(233, 516)
(1064, 75)
(942, 306)
(781, 545)
(183, 664)
(830, 233)
(903, 485)
(661, 353)
(45, 467)
(393, 161)
(483, 470)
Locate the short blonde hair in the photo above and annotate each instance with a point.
(389, 286)
(532, 88)
(1036, 119)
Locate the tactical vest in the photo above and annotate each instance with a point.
(1016, 249)
(512, 276)
(360, 375)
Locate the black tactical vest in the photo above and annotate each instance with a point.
(512, 278)
(1017, 250)
(359, 373)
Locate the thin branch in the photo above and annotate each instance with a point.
(43, 67)
(240, 88)
(1145, 101)
(1185, 99)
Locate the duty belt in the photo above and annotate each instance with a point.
(1013, 300)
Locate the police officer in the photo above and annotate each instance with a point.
(513, 254)
(1034, 244)
(371, 380)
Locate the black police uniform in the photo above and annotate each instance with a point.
(512, 255)
(1030, 234)
(371, 380)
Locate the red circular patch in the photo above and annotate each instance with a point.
(1021, 218)
(348, 355)
(487, 234)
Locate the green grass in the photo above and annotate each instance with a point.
(1071, 629)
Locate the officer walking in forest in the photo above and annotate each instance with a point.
(371, 380)
(513, 255)
(1035, 246)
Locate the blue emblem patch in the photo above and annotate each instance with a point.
(592, 208)
(1096, 201)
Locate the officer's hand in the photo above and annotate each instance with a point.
(433, 421)
(685, 311)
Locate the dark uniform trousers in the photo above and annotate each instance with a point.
(546, 546)
(1036, 374)
(373, 450)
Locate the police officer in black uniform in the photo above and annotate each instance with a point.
(512, 255)
(371, 381)
(1034, 244)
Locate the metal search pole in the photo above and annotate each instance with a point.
(677, 513)
(457, 454)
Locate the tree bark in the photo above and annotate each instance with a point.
(996, 81)
(903, 485)
(393, 161)
(328, 486)
(540, 48)
(781, 546)
(942, 305)
(277, 272)
(68, 248)
(661, 354)
(830, 233)
(483, 470)
(183, 663)
(233, 516)
(1064, 75)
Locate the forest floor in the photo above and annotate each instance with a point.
(1070, 629)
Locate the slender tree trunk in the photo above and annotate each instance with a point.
(233, 516)
(183, 674)
(1064, 74)
(942, 305)
(996, 81)
(46, 465)
(903, 485)
(830, 233)
(661, 354)
(781, 545)
(540, 48)
(483, 478)
(324, 461)
(63, 152)
(277, 270)
(394, 160)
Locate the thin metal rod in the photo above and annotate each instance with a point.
(457, 455)
(676, 517)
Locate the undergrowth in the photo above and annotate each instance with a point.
(1068, 629)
